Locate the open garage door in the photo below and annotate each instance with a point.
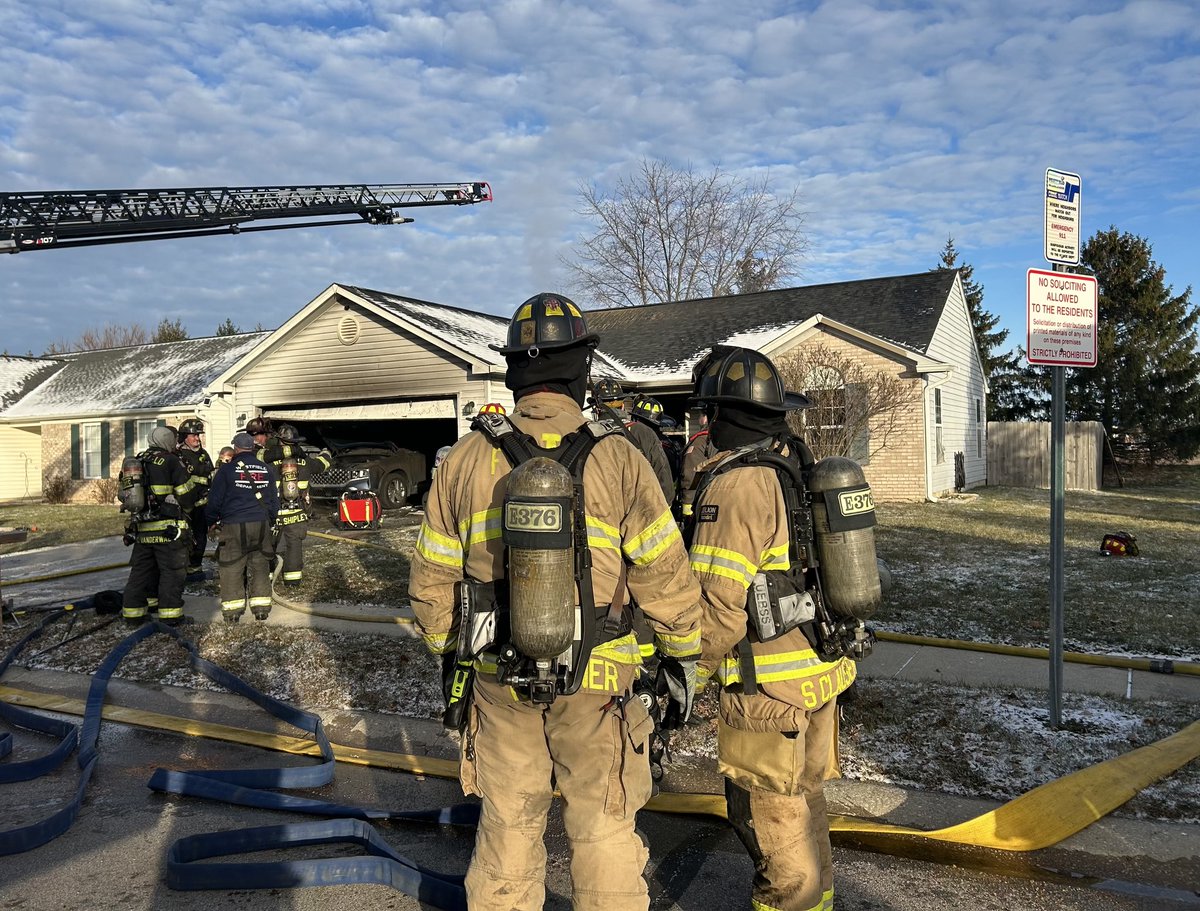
(421, 425)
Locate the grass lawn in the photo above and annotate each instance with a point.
(63, 524)
(974, 567)
(978, 567)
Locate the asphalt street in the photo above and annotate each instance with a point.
(113, 857)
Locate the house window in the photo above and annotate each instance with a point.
(939, 441)
(826, 417)
(979, 428)
(143, 434)
(90, 446)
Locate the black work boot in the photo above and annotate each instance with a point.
(135, 621)
(232, 616)
(261, 613)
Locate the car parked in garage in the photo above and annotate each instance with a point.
(393, 472)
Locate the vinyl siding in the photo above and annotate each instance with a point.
(312, 365)
(953, 343)
(20, 462)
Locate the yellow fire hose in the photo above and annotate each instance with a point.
(1038, 819)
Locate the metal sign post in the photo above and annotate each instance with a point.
(1061, 324)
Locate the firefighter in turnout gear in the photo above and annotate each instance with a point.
(293, 469)
(779, 674)
(191, 452)
(158, 492)
(244, 503)
(610, 401)
(519, 581)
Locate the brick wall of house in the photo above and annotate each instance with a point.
(897, 472)
(56, 458)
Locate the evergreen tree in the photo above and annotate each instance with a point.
(1001, 369)
(169, 331)
(1020, 391)
(1146, 381)
(227, 328)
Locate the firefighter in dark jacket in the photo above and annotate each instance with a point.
(196, 460)
(699, 450)
(244, 502)
(610, 400)
(160, 535)
(293, 470)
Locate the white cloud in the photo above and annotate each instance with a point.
(899, 125)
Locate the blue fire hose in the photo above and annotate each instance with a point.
(245, 787)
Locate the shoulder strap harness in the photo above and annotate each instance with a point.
(572, 453)
(791, 471)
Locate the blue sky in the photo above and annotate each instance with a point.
(900, 123)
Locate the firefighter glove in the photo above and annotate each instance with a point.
(676, 680)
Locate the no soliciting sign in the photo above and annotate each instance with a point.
(1061, 322)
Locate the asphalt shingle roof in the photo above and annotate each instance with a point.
(465, 329)
(668, 338)
(19, 375)
(144, 377)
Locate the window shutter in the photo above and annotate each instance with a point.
(76, 470)
(105, 453)
(857, 416)
(130, 433)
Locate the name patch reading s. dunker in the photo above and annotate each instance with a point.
(533, 517)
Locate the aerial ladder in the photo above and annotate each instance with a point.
(77, 218)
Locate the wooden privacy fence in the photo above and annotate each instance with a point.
(1019, 454)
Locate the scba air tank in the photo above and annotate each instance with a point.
(537, 526)
(289, 480)
(132, 493)
(844, 523)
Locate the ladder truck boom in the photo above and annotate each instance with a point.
(75, 218)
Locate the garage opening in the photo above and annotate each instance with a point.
(369, 440)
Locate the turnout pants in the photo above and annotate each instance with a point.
(291, 547)
(156, 579)
(775, 799)
(595, 749)
(244, 567)
(198, 523)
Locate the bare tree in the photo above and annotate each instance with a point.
(668, 234)
(856, 411)
(112, 335)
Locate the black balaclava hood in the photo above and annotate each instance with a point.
(563, 370)
(733, 426)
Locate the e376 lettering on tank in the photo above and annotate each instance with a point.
(531, 517)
